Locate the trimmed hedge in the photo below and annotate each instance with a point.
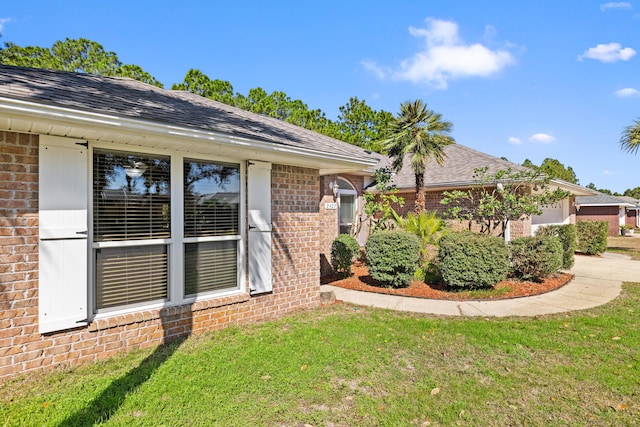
(393, 257)
(567, 235)
(472, 261)
(592, 236)
(344, 249)
(533, 258)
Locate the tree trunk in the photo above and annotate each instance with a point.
(420, 203)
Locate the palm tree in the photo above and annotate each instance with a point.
(630, 139)
(421, 134)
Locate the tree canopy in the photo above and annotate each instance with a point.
(553, 168)
(76, 55)
(632, 192)
(361, 125)
(357, 124)
(592, 186)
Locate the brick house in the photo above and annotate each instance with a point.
(131, 215)
(616, 210)
(457, 173)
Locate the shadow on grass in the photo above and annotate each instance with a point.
(177, 326)
(103, 406)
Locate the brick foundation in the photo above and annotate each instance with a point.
(296, 278)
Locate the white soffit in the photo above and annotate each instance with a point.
(20, 116)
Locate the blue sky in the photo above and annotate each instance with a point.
(518, 79)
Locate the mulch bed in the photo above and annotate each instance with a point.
(362, 281)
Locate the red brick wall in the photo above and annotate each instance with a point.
(631, 218)
(601, 213)
(432, 198)
(18, 251)
(296, 279)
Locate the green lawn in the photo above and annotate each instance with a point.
(351, 366)
(625, 245)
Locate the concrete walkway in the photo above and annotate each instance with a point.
(597, 281)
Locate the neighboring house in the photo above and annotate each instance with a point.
(633, 213)
(457, 173)
(616, 210)
(131, 215)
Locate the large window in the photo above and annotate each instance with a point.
(211, 226)
(138, 257)
(131, 227)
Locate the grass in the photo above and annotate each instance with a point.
(625, 245)
(345, 365)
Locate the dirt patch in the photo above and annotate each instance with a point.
(362, 281)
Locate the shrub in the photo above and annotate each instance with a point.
(344, 250)
(427, 226)
(472, 261)
(567, 235)
(393, 257)
(592, 236)
(533, 258)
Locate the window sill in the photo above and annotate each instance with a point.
(142, 316)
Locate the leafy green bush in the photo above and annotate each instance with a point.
(567, 235)
(533, 258)
(344, 250)
(427, 226)
(393, 256)
(592, 236)
(472, 261)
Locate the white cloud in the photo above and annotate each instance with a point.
(2, 22)
(515, 141)
(379, 71)
(608, 172)
(615, 5)
(611, 52)
(445, 57)
(543, 138)
(627, 92)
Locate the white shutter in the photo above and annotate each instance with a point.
(63, 200)
(259, 220)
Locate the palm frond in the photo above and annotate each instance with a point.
(630, 139)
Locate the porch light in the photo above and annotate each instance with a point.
(136, 170)
(335, 187)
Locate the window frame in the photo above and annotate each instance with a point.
(175, 244)
(351, 191)
(218, 238)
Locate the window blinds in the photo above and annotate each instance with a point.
(131, 198)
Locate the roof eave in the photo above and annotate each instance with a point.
(575, 189)
(627, 205)
(27, 116)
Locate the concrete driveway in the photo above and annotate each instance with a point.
(597, 281)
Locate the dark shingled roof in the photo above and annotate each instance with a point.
(132, 99)
(458, 168)
(604, 199)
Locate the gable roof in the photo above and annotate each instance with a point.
(602, 199)
(632, 200)
(457, 171)
(125, 101)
